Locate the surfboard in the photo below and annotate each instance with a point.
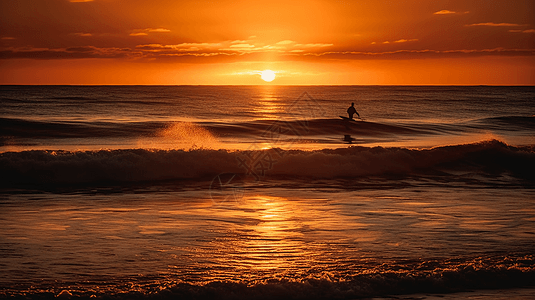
(347, 119)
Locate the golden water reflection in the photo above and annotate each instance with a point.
(277, 235)
(267, 105)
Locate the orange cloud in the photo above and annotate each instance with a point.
(234, 47)
(313, 45)
(404, 40)
(184, 47)
(424, 53)
(448, 12)
(397, 41)
(226, 51)
(523, 31)
(246, 46)
(285, 42)
(157, 30)
(495, 24)
(67, 53)
(145, 32)
(444, 12)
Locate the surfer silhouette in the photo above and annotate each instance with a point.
(351, 111)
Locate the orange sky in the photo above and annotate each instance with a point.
(304, 42)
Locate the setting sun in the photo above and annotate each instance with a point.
(267, 75)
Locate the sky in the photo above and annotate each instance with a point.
(312, 42)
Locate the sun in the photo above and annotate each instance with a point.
(267, 75)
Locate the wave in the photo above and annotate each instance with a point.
(20, 128)
(313, 127)
(428, 277)
(138, 165)
(259, 128)
(505, 123)
(64, 129)
(413, 277)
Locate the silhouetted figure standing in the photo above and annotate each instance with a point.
(351, 111)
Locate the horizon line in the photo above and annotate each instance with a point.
(280, 85)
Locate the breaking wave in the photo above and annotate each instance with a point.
(137, 165)
(411, 277)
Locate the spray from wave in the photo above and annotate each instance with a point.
(183, 135)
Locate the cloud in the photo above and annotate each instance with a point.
(523, 31)
(236, 50)
(218, 52)
(242, 46)
(146, 31)
(317, 45)
(449, 12)
(209, 45)
(80, 0)
(398, 41)
(157, 30)
(7, 38)
(232, 47)
(138, 50)
(424, 53)
(66, 53)
(285, 42)
(404, 40)
(82, 34)
(283, 46)
(494, 24)
(444, 12)
(153, 46)
(184, 47)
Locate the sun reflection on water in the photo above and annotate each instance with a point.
(267, 105)
(268, 238)
(278, 237)
(275, 240)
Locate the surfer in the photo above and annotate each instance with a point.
(351, 111)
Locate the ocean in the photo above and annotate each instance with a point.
(264, 192)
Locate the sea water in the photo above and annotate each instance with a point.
(264, 192)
